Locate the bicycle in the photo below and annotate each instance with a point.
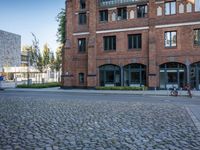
(174, 91)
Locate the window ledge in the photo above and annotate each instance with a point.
(134, 49)
(173, 47)
(109, 51)
(81, 52)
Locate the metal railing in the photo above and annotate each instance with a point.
(110, 3)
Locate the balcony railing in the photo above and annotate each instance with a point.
(110, 3)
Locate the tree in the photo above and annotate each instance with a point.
(46, 57)
(35, 51)
(52, 61)
(58, 60)
(36, 56)
(40, 65)
(61, 19)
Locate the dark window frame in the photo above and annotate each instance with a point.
(132, 38)
(82, 17)
(171, 39)
(122, 12)
(82, 47)
(81, 77)
(82, 4)
(197, 43)
(170, 8)
(140, 13)
(109, 43)
(103, 15)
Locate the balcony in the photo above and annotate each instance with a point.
(114, 3)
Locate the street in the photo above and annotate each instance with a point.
(51, 120)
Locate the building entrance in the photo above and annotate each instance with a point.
(195, 75)
(109, 75)
(135, 75)
(172, 75)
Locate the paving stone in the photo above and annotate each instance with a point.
(40, 123)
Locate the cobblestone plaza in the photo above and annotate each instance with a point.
(53, 123)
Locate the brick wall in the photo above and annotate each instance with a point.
(152, 28)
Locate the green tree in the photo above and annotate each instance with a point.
(36, 56)
(61, 19)
(46, 56)
(52, 61)
(40, 65)
(35, 51)
(58, 61)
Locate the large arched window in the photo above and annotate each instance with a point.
(109, 75)
(172, 74)
(134, 75)
(195, 75)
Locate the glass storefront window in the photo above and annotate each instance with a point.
(109, 75)
(134, 75)
(172, 74)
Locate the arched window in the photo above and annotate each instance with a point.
(109, 75)
(195, 75)
(189, 7)
(132, 14)
(135, 75)
(172, 74)
(113, 16)
(159, 11)
(181, 8)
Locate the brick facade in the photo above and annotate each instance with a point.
(152, 28)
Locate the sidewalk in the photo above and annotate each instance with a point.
(89, 91)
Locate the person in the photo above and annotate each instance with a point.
(188, 88)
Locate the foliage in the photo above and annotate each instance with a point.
(35, 50)
(58, 60)
(121, 88)
(61, 19)
(45, 85)
(52, 61)
(46, 57)
(39, 65)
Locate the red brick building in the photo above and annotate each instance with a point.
(155, 43)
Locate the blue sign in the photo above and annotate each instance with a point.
(1, 78)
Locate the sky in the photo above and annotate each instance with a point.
(24, 17)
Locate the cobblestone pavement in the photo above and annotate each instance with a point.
(40, 123)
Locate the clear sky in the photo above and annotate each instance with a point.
(37, 16)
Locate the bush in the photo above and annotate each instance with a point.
(128, 88)
(38, 86)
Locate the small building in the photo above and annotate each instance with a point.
(10, 50)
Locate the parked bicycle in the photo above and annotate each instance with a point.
(174, 91)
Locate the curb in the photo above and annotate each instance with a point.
(142, 93)
(194, 119)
